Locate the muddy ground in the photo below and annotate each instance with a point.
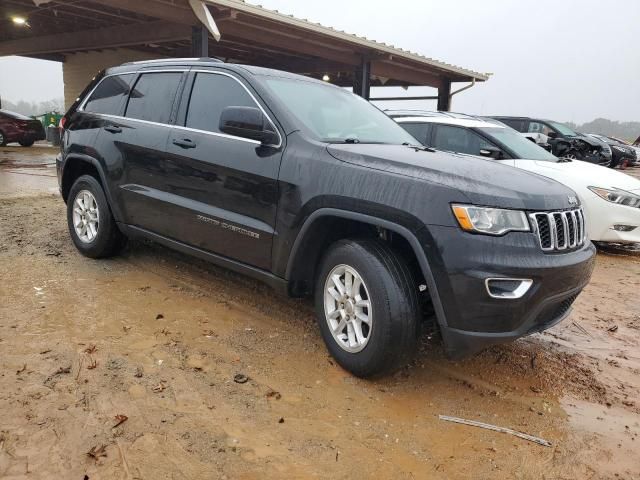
(158, 337)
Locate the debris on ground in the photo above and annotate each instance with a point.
(281, 420)
(90, 349)
(120, 419)
(274, 394)
(139, 372)
(613, 328)
(159, 316)
(240, 378)
(160, 387)
(473, 423)
(24, 367)
(97, 452)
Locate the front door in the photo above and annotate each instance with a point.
(222, 189)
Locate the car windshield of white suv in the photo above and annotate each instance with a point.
(563, 129)
(521, 147)
(334, 115)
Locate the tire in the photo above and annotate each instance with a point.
(26, 143)
(3, 139)
(105, 239)
(390, 337)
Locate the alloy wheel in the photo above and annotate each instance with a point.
(86, 216)
(347, 308)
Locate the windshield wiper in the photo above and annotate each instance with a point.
(564, 160)
(419, 148)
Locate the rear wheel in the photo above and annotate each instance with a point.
(3, 139)
(367, 307)
(26, 143)
(93, 230)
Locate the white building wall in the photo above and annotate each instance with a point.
(79, 68)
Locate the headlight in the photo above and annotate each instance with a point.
(490, 221)
(620, 197)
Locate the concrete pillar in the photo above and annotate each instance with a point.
(444, 96)
(199, 41)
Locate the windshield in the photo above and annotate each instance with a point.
(335, 115)
(520, 146)
(563, 129)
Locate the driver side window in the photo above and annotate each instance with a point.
(459, 140)
(537, 127)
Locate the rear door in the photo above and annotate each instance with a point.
(421, 131)
(223, 189)
(134, 144)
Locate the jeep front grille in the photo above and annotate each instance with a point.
(559, 231)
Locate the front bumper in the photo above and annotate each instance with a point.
(602, 216)
(461, 262)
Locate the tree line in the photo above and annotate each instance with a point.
(626, 130)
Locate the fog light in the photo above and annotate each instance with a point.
(623, 228)
(507, 288)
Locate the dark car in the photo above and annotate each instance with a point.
(18, 128)
(623, 155)
(563, 140)
(313, 190)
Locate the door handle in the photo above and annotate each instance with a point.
(113, 129)
(184, 143)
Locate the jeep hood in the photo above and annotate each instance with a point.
(587, 174)
(483, 182)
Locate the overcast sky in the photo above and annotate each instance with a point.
(569, 60)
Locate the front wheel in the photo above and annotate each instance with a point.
(91, 225)
(367, 307)
(26, 143)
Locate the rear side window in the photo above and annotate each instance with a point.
(459, 140)
(109, 95)
(152, 96)
(519, 125)
(420, 131)
(211, 94)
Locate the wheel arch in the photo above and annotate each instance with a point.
(307, 248)
(76, 165)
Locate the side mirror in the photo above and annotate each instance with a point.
(491, 152)
(552, 134)
(247, 122)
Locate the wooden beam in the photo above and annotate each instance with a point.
(399, 71)
(110, 37)
(243, 33)
(153, 9)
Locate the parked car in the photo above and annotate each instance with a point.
(611, 200)
(563, 140)
(622, 155)
(18, 128)
(635, 148)
(315, 191)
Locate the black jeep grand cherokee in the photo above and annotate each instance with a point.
(315, 191)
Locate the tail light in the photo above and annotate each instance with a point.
(63, 122)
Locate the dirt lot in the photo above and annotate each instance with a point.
(158, 337)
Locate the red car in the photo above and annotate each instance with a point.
(18, 128)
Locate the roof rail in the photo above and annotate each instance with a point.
(172, 60)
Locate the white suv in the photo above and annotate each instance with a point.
(611, 199)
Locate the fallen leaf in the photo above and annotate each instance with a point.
(90, 349)
(159, 316)
(24, 367)
(160, 387)
(274, 394)
(97, 452)
(126, 328)
(120, 419)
